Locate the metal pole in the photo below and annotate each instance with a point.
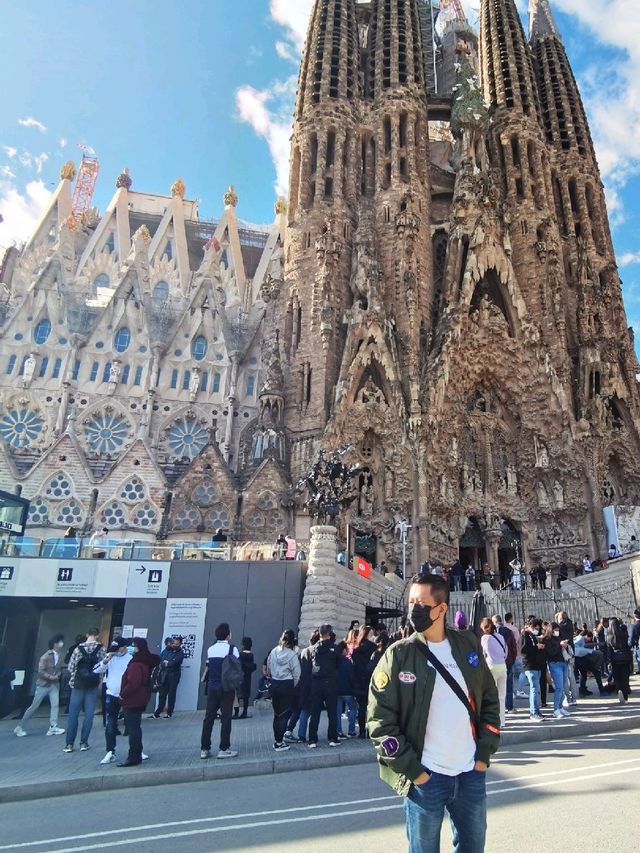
(403, 531)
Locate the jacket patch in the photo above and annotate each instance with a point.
(473, 659)
(390, 746)
(492, 729)
(407, 677)
(381, 679)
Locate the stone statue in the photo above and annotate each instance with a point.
(512, 480)
(114, 373)
(542, 453)
(29, 370)
(194, 384)
(366, 497)
(543, 497)
(558, 493)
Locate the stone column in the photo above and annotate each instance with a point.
(319, 603)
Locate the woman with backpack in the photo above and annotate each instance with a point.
(84, 684)
(494, 647)
(620, 656)
(135, 692)
(283, 667)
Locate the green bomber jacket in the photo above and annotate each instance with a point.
(399, 698)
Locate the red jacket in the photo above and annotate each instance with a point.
(135, 690)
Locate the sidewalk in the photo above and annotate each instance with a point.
(35, 766)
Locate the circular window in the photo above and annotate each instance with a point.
(161, 291)
(42, 331)
(20, 427)
(122, 339)
(199, 348)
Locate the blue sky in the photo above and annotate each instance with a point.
(204, 90)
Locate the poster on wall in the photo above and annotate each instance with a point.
(185, 617)
(8, 576)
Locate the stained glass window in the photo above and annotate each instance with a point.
(187, 437)
(106, 433)
(20, 427)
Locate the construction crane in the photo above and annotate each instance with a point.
(85, 185)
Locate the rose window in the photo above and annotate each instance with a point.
(58, 487)
(145, 516)
(187, 519)
(38, 513)
(106, 433)
(113, 515)
(255, 519)
(217, 518)
(204, 494)
(267, 501)
(187, 437)
(70, 513)
(20, 427)
(275, 523)
(133, 491)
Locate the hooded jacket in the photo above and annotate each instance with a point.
(135, 689)
(115, 669)
(283, 665)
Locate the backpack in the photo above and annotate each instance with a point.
(85, 678)
(232, 675)
(157, 677)
(512, 647)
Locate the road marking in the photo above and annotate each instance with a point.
(509, 783)
(193, 821)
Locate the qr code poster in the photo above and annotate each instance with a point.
(185, 617)
(188, 645)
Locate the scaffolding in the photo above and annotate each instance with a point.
(85, 185)
(450, 10)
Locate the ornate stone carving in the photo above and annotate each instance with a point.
(178, 188)
(123, 181)
(68, 171)
(230, 198)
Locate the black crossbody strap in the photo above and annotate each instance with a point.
(450, 681)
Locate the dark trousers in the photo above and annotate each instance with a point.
(324, 694)
(112, 711)
(167, 695)
(218, 700)
(133, 722)
(361, 699)
(621, 677)
(585, 664)
(543, 686)
(281, 700)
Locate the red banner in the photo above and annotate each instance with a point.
(363, 567)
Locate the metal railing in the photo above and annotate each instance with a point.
(111, 549)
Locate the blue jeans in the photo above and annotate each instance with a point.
(465, 799)
(352, 712)
(638, 660)
(558, 675)
(533, 677)
(303, 722)
(508, 702)
(80, 698)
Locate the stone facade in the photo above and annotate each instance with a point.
(441, 294)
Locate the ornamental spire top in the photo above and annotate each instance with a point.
(541, 22)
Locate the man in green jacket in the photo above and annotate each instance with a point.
(434, 740)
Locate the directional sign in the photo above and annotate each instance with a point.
(148, 579)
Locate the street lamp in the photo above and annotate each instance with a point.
(403, 527)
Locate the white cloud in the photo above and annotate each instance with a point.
(32, 122)
(39, 161)
(33, 161)
(6, 172)
(10, 151)
(293, 15)
(62, 142)
(628, 259)
(21, 211)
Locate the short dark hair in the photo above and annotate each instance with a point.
(222, 631)
(636, 613)
(534, 622)
(326, 630)
(508, 617)
(315, 637)
(342, 646)
(93, 632)
(57, 638)
(438, 586)
(247, 644)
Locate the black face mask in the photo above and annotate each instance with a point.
(420, 617)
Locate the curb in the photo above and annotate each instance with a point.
(150, 776)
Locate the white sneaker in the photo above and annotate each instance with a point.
(312, 745)
(109, 758)
(227, 753)
(19, 732)
(558, 715)
(521, 694)
(144, 757)
(334, 743)
(564, 712)
(55, 730)
(537, 718)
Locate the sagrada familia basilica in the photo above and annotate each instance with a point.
(439, 293)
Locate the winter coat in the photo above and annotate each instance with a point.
(283, 665)
(533, 658)
(48, 669)
(324, 661)
(135, 689)
(345, 677)
(362, 674)
(172, 661)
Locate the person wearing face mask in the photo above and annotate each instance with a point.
(135, 692)
(113, 667)
(434, 719)
(553, 646)
(534, 661)
(47, 685)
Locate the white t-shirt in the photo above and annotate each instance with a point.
(449, 747)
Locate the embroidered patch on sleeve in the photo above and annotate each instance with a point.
(390, 746)
(381, 679)
(473, 660)
(407, 677)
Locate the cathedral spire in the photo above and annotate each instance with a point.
(396, 50)
(541, 22)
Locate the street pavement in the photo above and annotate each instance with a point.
(35, 766)
(578, 796)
